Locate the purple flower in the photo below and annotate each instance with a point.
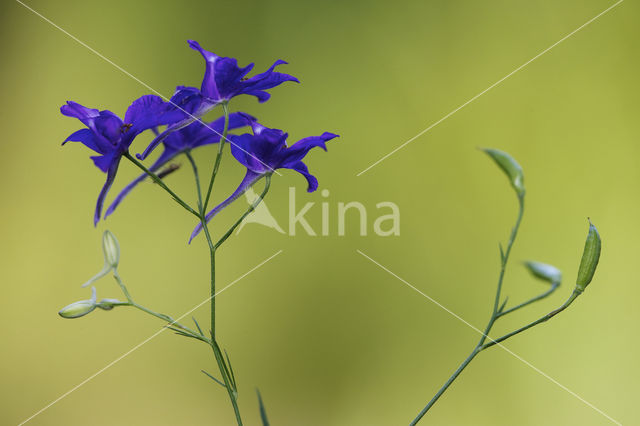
(194, 135)
(111, 137)
(223, 80)
(262, 153)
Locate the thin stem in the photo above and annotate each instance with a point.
(539, 297)
(197, 177)
(159, 181)
(503, 268)
(216, 165)
(166, 318)
(251, 208)
(494, 315)
(446, 385)
(545, 318)
(228, 384)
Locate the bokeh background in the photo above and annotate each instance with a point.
(327, 336)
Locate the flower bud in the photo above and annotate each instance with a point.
(510, 167)
(81, 308)
(111, 249)
(590, 258)
(545, 272)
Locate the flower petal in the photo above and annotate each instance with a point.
(209, 87)
(191, 105)
(150, 111)
(300, 149)
(250, 152)
(249, 179)
(103, 162)
(88, 139)
(258, 83)
(82, 113)
(301, 168)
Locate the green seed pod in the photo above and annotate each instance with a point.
(111, 249)
(81, 308)
(545, 272)
(510, 167)
(590, 258)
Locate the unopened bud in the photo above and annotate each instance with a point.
(545, 272)
(81, 308)
(590, 258)
(111, 249)
(510, 167)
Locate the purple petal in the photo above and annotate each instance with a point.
(103, 162)
(209, 87)
(82, 113)
(299, 150)
(109, 126)
(250, 152)
(150, 111)
(88, 139)
(267, 80)
(249, 179)
(191, 116)
(301, 168)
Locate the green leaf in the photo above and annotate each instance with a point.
(590, 258)
(263, 411)
(198, 326)
(545, 272)
(510, 167)
(214, 379)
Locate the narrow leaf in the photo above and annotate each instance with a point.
(590, 258)
(263, 411)
(233, 376)
(503, 305)
(198, 326)
(214, 379)
(510, 167)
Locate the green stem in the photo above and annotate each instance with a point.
(228, 384)
(166, 318)
(545, 318)
(202, 207)
(539, 297)
(503, 268)
(159, 181)
(494, 316)
(216, 165)
(197, 177)
(446, 385)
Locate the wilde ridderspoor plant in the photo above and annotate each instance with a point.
(261, 152)
(550, 274)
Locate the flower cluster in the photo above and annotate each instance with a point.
(262, 151)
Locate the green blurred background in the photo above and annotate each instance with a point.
(327, 336)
